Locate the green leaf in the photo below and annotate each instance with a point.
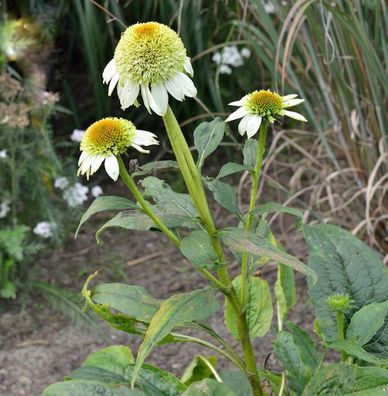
(250, 153)
(201, 367)
(89, 388)
(343, 380)
(230, 168)
(271, 207)
(238, 382)
(208, 387)
(11, 240)
(366, 322)
(285, 291)
(175, 311)
(167, 199)
(225, 195)
(352, 348)
(134, 301)
(101, 204)
(259, 310)
(241, 241)
(207, 137)
(155, 166)
(197, 248)
(345, 265)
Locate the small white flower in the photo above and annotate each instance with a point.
(76, 135)
(44, 229)
(150, 59)
(231, 56)
(61, 182)
(217, 58)
(260, 106)
(76, 195)
(4, 208)
(245, 52)
(96, 191)
(108, 138)
(3, 154)
(269, 7)
(225, 69)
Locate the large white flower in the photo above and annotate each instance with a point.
(108, 138)
(150, 59)
(260, 106)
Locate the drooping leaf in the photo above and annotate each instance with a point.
(208, 387)
(241, 241)
(225, 195)
(134, 301)
(345, 265)
(259, 310)
(250, 153)
(207, 137)
(343, 379)
(175, 311)
(366, 322)
(197, 248)
(101, 204)
(201, 367)
(230, 168)
(271, 207)
(155, 166)
(167, 199)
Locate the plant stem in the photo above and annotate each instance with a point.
(341, 336)
(248, 224)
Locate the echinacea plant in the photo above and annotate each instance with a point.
(347, 282)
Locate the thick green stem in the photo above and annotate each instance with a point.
(341, 333)
(252, 203)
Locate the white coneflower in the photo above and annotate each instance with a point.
(150, 59)
(44, 229)
(107, 138)
(260, 106)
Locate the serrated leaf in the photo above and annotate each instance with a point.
(366, 322)
(134, 301)
(101, 204)
(345, 265)
(197, 248)
(11, 240)
(250, 153)
(259, 310)
(271, 207)
(175, 311)
(343, 379)
(230, 168)
(225, 195)
(208, 387)
(241, 241)
(207, 137)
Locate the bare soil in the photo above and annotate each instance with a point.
(39, 345)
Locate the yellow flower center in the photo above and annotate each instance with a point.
(264, 103)
(108, 136)
(149, 53)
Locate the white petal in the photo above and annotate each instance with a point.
(144, 138)
(112, 167)
(292, 102)
(96, 163)
(109, 71)
(128, 94)
(82, 157)
(242, 125)
(174, 89)
(288, 97)
(294, 115)
(160, 95)
(188, 67)
(148, 99)
(113, 83)
(239, 102)
(239, 113)
(138, 148)
(253, 125)
(186, 85)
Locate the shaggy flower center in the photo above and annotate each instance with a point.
(108, 136)
(149, 53)
(264, 103)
